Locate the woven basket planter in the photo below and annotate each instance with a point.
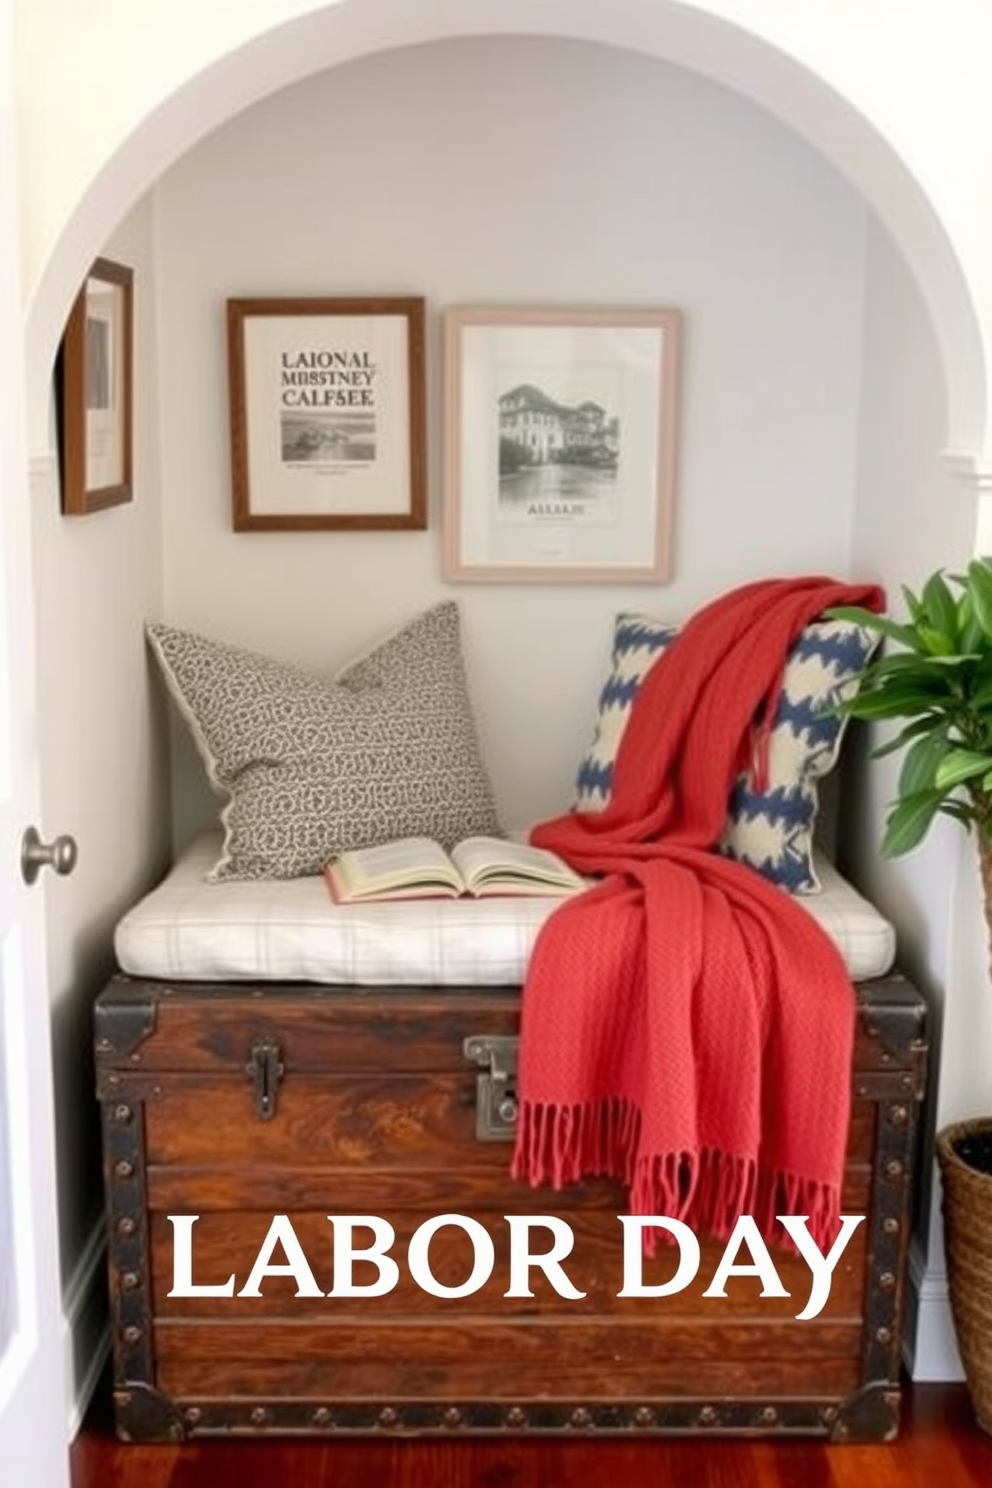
(968, 1241)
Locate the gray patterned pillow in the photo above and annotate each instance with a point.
(310, 767)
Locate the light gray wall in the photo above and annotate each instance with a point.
(913, 515)
(102, 741)
(517, 172)
(910, 518)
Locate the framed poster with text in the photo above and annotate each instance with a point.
(327, 413)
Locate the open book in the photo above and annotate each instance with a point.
(417, 868)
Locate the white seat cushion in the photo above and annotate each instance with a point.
(289, 930)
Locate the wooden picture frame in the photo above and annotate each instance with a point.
(96, 392)
(328, 426)
(559, 444)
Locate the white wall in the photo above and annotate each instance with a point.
(530, 172)
(103, 775)
(913, 515)
(896, 95)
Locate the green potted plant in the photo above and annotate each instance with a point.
(935, 679)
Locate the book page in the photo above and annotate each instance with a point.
(516, 867)
(409, 861)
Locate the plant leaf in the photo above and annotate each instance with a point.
(961, 811)
(913, 604)
(941, 607)
(904, 634)
(937, 642)
(957, 659)
(960, 765)
(911, 731)
(907, 664)
(908, 822)
(919, 768)
(894, 701)
(968, 627)
(980, 589)
(981, 698)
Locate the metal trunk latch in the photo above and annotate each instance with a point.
(265, 1069)
(496, 1100)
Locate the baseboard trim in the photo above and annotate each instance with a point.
(86, 1343)
(931, 1347)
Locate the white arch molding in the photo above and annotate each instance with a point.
(685, 34)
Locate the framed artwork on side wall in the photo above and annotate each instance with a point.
(559, 444)
(96, 392)
(327, 413)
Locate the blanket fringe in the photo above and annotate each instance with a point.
(707, 1189)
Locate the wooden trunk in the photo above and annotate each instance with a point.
(237, 1103)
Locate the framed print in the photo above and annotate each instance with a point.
(327, 414)
(559, 444)
(96, 377)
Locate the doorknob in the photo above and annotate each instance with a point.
(35, 855)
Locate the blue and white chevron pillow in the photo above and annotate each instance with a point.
(770, 829)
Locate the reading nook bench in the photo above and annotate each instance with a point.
(309, 1110)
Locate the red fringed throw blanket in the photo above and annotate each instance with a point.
(686, 1027)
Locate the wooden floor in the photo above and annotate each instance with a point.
(940, 1447)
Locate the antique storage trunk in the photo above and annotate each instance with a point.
(237, 1103)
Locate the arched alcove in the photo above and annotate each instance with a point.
(328, 43)
(679, 32)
